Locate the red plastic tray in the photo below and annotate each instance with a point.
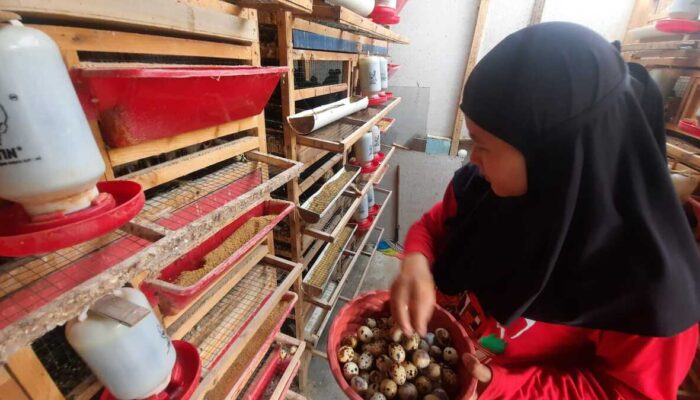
(273, 368)
(292, 298)
(184, 378)
(673, 25)
(371, 304)
(13, 243)
(136, 105)
(688, 126)
(173, 298)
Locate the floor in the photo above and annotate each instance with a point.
(381, 273)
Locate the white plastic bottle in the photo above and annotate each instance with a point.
(376, 140)
(370, 75)
(132, 362)
(49, 160)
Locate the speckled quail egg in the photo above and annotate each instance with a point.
(421, 359)
(376, 348)
(364, 375)
(449, 354)
(449, 380)
(440, 394)
(371, 323)
(293, 350)
(383, 363)
(388, 388)
(345, 354)
(398, 374)
(442, 337)
(284, 354)
(411, 370)
(435, 352)
(430, 338)
(395, 334)
(433, 372)
(371, 390)
(377, 396)
(380, 333)
(376, 377)
(350, 369)
(408, 391)
(366, 361)
(423, 345)
(397, 353)
(423, 385)
(410, 343)
(364, 334)
(350, 341)
(358, 384)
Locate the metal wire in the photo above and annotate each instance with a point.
(314, 73)
(225, 320)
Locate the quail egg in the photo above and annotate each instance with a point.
(435, 352)
(397, 353)
(377, 396)
(421, 359)
(350, 341)
(398, 374)
(365, 362)
(442, 337)
(345, 354)
(364, 334)
(411, 370)
(433, 372)
(423, 385)
(358, 384)
(440, 394)
(410, 343)
(396, 334)
(371, 323)
(350, 369)
(383, 363)
(449, 354)
(388, 388)
(408, 391)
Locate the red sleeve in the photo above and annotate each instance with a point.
(425, 233)
(626, 367)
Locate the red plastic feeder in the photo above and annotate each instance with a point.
(364, 225)
(184, 377)
(173, 298)
(385, 15)
(376, 304)
(378, 158)
(374, 210)
(377, 100)
(689, 126)
(392, 69)
(117, 203)
(680, 26)
(135, 105)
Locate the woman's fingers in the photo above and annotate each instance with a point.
(400, 295)
(423, 305)
(478, 370)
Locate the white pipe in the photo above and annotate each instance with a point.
(361, 7)
(308, 121)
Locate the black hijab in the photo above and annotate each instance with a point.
(599, 240)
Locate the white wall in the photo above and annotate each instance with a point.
(440, 33)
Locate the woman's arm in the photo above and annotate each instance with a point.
(413, 291)
(626, 367)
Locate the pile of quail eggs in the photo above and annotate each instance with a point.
(381, 363)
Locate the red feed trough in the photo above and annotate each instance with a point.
(135, 105)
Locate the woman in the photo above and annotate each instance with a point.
(562, 243)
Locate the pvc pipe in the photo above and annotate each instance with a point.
(311, 120)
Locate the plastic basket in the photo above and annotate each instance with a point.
(373, 304)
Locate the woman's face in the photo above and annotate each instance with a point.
(499, 163)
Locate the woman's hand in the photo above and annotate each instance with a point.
(413, 295)
(481, 372)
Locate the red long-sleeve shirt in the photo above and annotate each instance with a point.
(548, 361)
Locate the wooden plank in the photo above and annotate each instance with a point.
(332, 236)
(83, 39)
(27, 369)
(670, 45)
(687, 158)
(10, 388)
(537, 10)
(320, 172)
(86, 390)
(123, 155)
(270, 159)
(317, 55)
(307, 93)
(159, 15)
(309, 155)
(471, 63)
(301, 6)
(167, 171)
(180, 324)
